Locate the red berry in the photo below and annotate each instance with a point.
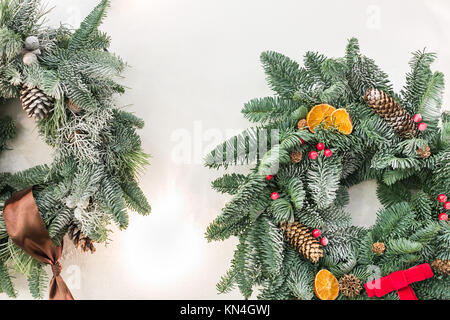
(328, 153)
(422, 126)
(313, 155)
(269, 177)
(447, 205)
(417, 118)
(275, 196)
(316, 233)
(320, 146)
(324, 241)
(442, 198)
(302, 141)
(443, 217)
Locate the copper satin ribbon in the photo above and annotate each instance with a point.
(27, 230)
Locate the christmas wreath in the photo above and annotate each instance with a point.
(66, 80)
(334, 123)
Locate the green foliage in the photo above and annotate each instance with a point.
(393, 221)
(315, 192)
(38, 282)
(282, 211)
(283, 75)
(417, 80)
(98, 153)
(7, 132)
(135, 198)
(238, 149)
(229, 183)
(431, 102)
(6, 284)
(270, 110)
(88, 26)
(323, 181)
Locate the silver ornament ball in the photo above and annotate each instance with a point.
(29, 58)
(32, 43)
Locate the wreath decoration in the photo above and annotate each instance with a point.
(66, 80)
(338, 123)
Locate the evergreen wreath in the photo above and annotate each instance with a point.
(340, 123)
(66, 80)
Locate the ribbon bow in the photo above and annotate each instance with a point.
(399, 281)
(27, 230)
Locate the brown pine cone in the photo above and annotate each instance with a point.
(80, 240)
(36, 103)
(424, 153)
(393, 113)
(301, 238)
(302, 124)
(378, 248)
(296, 157)
(73, 107)
(350, 286)
(442, 266)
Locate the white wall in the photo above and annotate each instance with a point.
(194, 64)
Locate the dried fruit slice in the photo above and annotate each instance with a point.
(326, 286)
(318, 114)
(340, 119)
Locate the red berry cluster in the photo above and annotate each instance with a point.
(313, 155)
(418, 119)
(443, 199)
(317, 233)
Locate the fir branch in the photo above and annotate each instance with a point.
(38, 282)
(88, 26)
(229, 183)
(6, 284)
(430, 103)
(323, 181)
(283, 75)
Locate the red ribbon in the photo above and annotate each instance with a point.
(399, 281)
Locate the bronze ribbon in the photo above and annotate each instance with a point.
(27, 230)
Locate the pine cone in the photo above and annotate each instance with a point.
(378, 248)
(424, 153)
(296, 157)
(302, 240)
(73, 107)
(302, 124)
(394, 114)
(442, 266)
(79, 239)
(350, 286)
(36, 103)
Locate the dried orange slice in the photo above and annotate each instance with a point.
(340, 119)
(326, 286)
(318, 114)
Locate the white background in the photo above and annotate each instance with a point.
(193, 65)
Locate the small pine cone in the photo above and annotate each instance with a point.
(442, 266)
(424, 153)
(301, 238)
(80, 240)
(378, 248)
(73, 107)
(296, 157)
(36, 103)
(350, 286)
(302, 124)
(395, 115)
